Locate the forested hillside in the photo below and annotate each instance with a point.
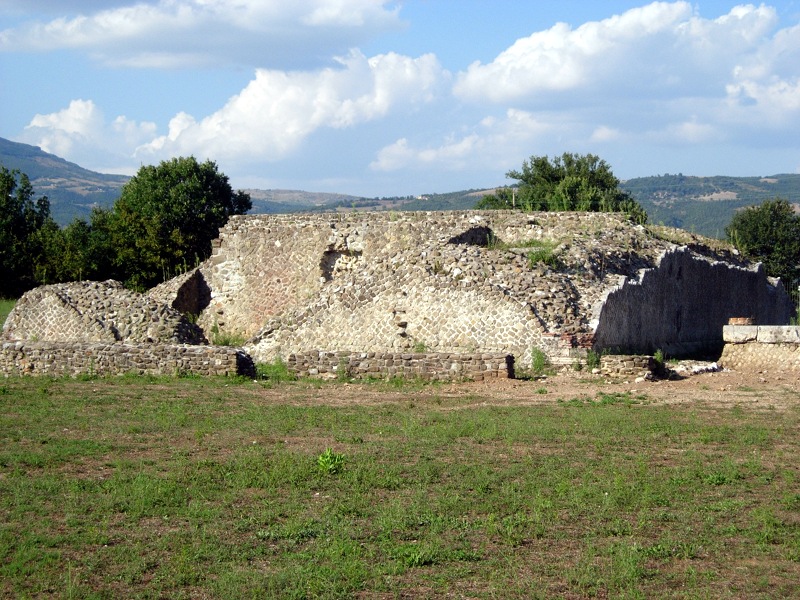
(72, 190)
(706, 205)
(286, 201)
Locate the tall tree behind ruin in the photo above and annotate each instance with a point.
(567, 182)
(25, 226)
(769, 233)
(166, 218)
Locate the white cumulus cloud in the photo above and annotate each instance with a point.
(657, 72)
(81, 133)
(495, 143)
(562, 58)
(176, 33)
(278, 110)
(659, 50)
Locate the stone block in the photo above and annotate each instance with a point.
(778, 335)
(739, 334)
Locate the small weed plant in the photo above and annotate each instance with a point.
(593, 359)
(343, 372)
(275, 371)
(220, 338)
(330, 462)
(660, 359)
(543, 256)
(539, 362)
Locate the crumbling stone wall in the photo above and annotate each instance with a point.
(619, 365)
(754, 348)
(495, 283)
(100, 328)
(681, 306)
(93, 311)
(427, 366)
(463, 282)
(102, 358)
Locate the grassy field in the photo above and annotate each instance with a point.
(5, 308)
(192, 488)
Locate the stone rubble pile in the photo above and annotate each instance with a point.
(91, 311)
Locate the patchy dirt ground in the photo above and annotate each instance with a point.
(759, 390)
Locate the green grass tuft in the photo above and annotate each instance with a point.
(5, 307)
(275, 371)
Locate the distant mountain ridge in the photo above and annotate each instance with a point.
(280, 201)
(72, 190)
(703, 205)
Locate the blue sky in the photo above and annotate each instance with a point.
(383, 98)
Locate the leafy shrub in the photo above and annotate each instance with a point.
(330, 462)
(593, 359)
(539, 362)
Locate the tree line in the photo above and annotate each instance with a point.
(162, 224)
(769, 233)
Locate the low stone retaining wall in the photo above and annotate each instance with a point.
(98, 358)
(627, 364)
(429, 366)
(761, 348)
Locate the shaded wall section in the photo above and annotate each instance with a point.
(682, 305)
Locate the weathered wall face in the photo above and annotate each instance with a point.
(260, 269)
(94, 311)
(441, 282)
(60, 359)
(270, 266)
(682, 306)
(463, 282)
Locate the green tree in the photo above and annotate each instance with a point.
(769, 233)
(567, 182)
(65, 253)
(25, 227)
(166, 217)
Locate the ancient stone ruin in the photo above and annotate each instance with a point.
(761, 348)
(498, 282)
(437, 294)
(100, 327)
(92, 311)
